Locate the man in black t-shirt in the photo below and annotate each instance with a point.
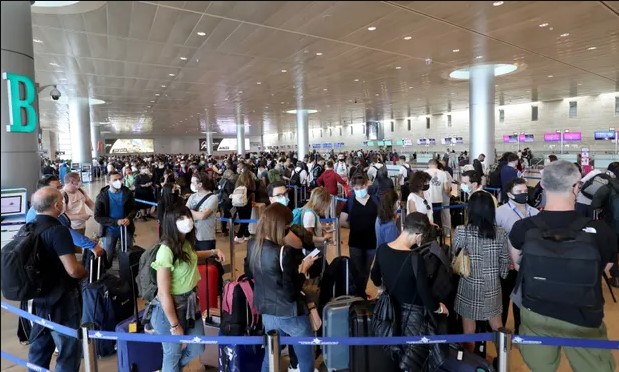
(560, 181)
(61, 303)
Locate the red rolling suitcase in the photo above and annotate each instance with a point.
(209, 284)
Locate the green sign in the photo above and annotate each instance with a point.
(20, 105)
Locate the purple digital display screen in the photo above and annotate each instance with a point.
(572, 136)
(552, 137)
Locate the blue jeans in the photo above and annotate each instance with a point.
(175, 357)
(362, 259)
(112, 235)
(293, 326)
(43, 341)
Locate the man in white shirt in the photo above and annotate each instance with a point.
(439, 185)
(374, 169)
(405, 170)
(341, 168)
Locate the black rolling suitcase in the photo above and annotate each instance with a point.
(366, 358)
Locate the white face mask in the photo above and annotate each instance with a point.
(185, 225)
(193, 187)
(117, 184)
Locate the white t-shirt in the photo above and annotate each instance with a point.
(302, 175)
(341, 168)
(405, 170)
(76, 206)
(437, 185)
(309, 222)
(420, 206)
(373, 170)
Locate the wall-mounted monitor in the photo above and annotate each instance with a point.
(457, 140)
(552, 137)
(604, 135)
(446, 141)
(572, 136)
(422, 141)
(399, 142)
(510, 138)
(371, 143)
(407, 142)
(13, 203)
(388, 143)
(527, 138)
(381, 143)
(431, 141)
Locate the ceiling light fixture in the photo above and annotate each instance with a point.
(551, 76)
(54, 64)
(398, 67)
(455, 50)
(157, 94)
(308, 111)
(325, 89)
(319, 53)
(152, 101)
(183, 58)
(53, 4)
(38, 41)
(543, 25)
(284, 70)
(407, 37)
(479, 57)
(592, 48)
(498, 3)
(172, 74)
(258, 83)
(565, 34)
(371, 28)
(163, 86)
(356, 79)
(201, 33)
(499, 69)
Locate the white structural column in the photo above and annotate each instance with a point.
(79, 124)
(209, 142)
(302, 133)
(95, 137)
(20, 164)
(240, 133)
(481, 112)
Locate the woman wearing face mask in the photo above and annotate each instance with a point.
(360, 216)
(386, 227)
(402, 274)
(416, 201)
(203, 204)
(144, 191)
(479, 295)
(176, 311)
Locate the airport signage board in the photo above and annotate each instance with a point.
(572, 136)
(604, 135)
(21, 96)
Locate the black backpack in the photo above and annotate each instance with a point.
(317, 171)
(438, 270)
(295, 178)
(239, 316)
(494, 178)
(590, 187)
(25, 275)
(560, 266)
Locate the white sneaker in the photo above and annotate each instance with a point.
(238, 240)
(290, 369)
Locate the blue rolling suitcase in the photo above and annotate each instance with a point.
(137, 356)
(240, 358)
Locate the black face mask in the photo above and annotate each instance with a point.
(426, 187)
(521, 198)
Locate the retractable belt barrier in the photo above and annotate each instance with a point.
(502, 337)
(146, 202)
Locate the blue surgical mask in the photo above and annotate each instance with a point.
(283, 200)
(465, 188)
(361, 193)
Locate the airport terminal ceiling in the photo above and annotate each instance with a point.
(186, 67)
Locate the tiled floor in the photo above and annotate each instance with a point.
(146, 236)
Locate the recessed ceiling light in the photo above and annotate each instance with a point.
(543, 25)
(163, 86)
(356, 79)
(551, 76)
(171, 74)
(240, 92)
(592, 48)
(258, 83)
(376, 94)
(147, 106)
(152, 101)
(54, 64)
(398, 67)
(410, 87)
(371, 28)
(38, 41)
(479, 57)
(281, 103)
(579, 84)
(319, 53)
(284, 70)
(201, 33)
(183, 58)
(407, 37)
(325, 89)
(565, 34)
(455, 50)
(498, 3)
(157, 94)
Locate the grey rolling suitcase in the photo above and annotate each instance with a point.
(335, 324)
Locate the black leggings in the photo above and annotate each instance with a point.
(244, 214)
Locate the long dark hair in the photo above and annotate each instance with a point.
(386, 208)
(482, 214)
(419, 223)
(170, 236)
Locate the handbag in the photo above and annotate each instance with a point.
(461, 263)
(314, 316)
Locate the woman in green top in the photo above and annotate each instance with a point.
(176, 309)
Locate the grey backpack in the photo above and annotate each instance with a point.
(147, 276)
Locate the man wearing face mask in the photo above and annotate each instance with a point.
(471, 183)
(114, 207)
(61, 301)
(278, 193)
(507, 215)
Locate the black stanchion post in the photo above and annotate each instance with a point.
(272, 340)
(88, 348)
(296, 197)
(503, 347)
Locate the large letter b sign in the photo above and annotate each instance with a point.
(21, 96)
